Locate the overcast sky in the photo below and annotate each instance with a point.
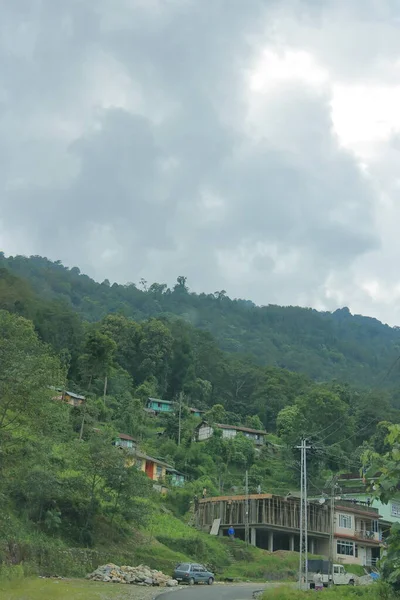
(251, 145)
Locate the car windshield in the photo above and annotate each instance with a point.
(183, 567)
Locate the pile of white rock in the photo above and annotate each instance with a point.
(140, 575)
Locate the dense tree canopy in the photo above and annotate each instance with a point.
(321, 344)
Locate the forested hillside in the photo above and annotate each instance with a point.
(322, 345)
(62, 481)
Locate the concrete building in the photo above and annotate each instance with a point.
(274, 521)
(354, 489)
(274, 524)
(358, 533)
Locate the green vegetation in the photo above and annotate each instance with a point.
(55, 589)
(321, 344)
(373, 592)
(69, 501)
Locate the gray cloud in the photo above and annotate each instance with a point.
(124, 130)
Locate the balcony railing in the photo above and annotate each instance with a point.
(366, 535)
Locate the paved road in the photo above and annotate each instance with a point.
(214, 592)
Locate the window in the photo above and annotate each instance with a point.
(395, 509)
(159, 471)
(375, 526)
(356, 550)
(139, 463)
(345, 521)
(345, 548)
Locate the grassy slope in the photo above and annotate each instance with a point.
(165, 542)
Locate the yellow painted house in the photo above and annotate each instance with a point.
(154, 468)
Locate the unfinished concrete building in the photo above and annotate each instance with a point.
(274, 521)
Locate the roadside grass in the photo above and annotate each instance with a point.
(375, 591)
(54, 589)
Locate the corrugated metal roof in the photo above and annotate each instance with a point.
(162, 401)
(240, 428)
(125, 436)
(154, 460)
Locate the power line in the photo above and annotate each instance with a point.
(328, 427)
(375, 388)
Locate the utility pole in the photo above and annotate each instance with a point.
(105, 389)
(246, 508)
(301, 517)
(180, 418)
(332, 532)
(303, 558)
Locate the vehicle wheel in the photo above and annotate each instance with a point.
(210, 581)
(351, 582)
(191, 581)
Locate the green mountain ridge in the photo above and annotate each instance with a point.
(323, 345)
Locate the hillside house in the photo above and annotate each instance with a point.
(125, 441)
(70, 398)
(154, 468)
(354, 489)
(177, 478)
(204, 431)
(156, 406)
(196, 412)
(358, 533)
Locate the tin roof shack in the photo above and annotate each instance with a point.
(70, 398)
(204, 431)
(176, 478)
(125, 441)
(196, 412)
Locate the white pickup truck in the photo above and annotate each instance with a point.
(340, 575)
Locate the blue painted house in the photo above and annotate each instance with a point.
(156, 406)
(177, 478)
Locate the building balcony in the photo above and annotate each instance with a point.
(370, 536)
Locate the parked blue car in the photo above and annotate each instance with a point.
(192, 573)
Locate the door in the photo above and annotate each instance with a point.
(149, 469)
(362, 555)
(203, 574)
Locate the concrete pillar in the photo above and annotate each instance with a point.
(253, 536)
(291, 543)
(271, 541)
(312, 547)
